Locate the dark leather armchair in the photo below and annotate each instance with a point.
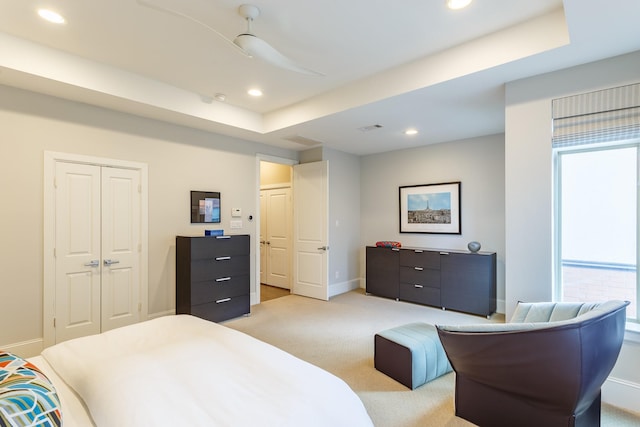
(543, 368)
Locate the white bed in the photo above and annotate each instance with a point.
(182, 370)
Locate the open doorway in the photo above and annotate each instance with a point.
(276, 229)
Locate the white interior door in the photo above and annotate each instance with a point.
(278, 236)
(310, 211)
(97, 249)
(263, 238)
(120, 247)
(77, 250)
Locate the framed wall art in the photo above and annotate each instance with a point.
(430, 208)
(205, 207)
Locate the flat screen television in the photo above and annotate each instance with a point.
(205, 207)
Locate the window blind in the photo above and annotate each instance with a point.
(601, 116)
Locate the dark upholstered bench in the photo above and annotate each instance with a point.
(410, 354)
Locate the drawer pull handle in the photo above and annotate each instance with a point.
(418, 268)
(223, 258)
(223, 237)
(444, 253)
(395, 249)
(220, 301)
(418, 251)
(418, 286)
(223, 279)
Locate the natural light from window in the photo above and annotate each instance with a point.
(597, 222)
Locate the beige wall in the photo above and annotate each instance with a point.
(179, 160)
(274, 174)
(478, 163)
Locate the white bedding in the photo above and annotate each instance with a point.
(185, 371)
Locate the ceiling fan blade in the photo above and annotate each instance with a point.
(177, 13)
(258, 48)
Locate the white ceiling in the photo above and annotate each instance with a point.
(397, 64)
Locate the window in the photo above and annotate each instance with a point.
(597, 218)
(596, 146)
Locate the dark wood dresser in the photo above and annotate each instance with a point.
(455, 280)
(212, 276)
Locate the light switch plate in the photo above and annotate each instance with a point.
(236, 212)
(235, 224)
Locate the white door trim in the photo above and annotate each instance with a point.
(255, 296)
(50, 159)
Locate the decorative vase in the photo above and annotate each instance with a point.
(474, 246)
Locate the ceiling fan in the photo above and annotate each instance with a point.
(247, 43)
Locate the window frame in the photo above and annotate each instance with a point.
(632, 325)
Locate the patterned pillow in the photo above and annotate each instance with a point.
(27, 397)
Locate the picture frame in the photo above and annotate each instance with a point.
(430, 208)
(205, 207)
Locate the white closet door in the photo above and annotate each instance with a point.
(120, 247)
(77, 250)
(97, 249)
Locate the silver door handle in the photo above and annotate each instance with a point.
(323, 248)
(108, 262)
(92, 263)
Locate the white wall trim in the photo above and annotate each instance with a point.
(255, 295)
(274, 186)
(621, 393)
(25, 349)
(343, 287)
(161, 314)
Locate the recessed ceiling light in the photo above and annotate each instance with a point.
(411, 132)
(51, 16)
(458, 4)
(254, 92)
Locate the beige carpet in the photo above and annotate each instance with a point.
(338, 337)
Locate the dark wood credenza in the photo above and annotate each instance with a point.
(213, 276)
(455, 280)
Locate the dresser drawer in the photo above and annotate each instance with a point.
(420, 276)
(223, 309)
(212, 290)
(420, 294)
(202, 248)
(420, 258)
(220, 267)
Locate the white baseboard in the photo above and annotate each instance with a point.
(161, 314)
(621, 393)
(25, 349)
(342, 287)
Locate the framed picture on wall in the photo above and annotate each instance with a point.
(430, 208)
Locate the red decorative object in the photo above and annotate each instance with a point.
(388, 244)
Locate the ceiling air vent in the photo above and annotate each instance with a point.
(370, 128)
(303, 141)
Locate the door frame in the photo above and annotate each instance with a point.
(255, 296)
(48, 300)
